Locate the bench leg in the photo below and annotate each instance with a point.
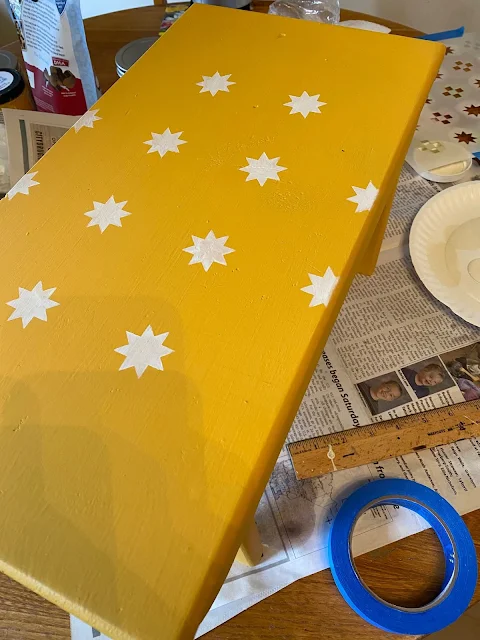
(369, 259)
(251, 549)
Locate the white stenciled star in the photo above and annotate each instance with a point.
(144, 351)
(107, 214)
(263, 169)
(305, 104)
(32, 304)
(86, 120)
(164, 142)
(209, 250)
(364, 198)
(321, 288)
(23, 185)
(214, 84)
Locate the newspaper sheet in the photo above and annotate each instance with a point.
(30, 134)
(394, 350)
(412, 193)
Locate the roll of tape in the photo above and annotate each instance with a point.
(460, 558)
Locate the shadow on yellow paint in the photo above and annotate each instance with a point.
(81, 499)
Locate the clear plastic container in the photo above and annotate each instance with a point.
(315, 10)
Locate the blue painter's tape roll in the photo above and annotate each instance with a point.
(460, 558)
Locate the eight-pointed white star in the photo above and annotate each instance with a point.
(144, 351)
(164, 142)
(86, 120)
(321, 288)
(209, 250)
(32, 304)
(305, 104)
(106, 214)
(364, 198)
(23, 185)
(263, 169)
(215, 83)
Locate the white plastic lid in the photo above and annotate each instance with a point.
(439, 160)
(6, 79)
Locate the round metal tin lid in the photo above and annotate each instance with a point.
(8, 60)
(131, 52)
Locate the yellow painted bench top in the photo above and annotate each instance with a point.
(170, 273)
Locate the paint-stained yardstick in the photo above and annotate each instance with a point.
(383, 440)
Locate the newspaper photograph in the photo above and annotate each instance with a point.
(393, 351)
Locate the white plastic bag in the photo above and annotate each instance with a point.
(56, 55)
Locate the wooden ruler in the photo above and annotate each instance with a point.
(383, 440)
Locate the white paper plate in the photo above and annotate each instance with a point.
(445, 248)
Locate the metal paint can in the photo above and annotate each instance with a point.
(131, 52)
(8, 60)
(13, 92)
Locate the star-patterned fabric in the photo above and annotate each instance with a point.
(169, 277)
(452, 109)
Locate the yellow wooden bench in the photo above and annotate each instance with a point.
(170, 272)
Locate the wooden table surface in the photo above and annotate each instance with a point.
(408, 572)
(107, 33)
